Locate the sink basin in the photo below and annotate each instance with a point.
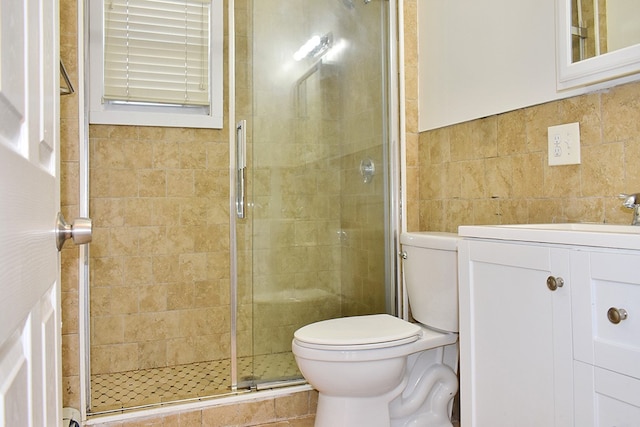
(580, 226)
(578, 233)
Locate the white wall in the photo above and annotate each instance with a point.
(622, 23)
(483, 57)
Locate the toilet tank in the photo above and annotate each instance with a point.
(431, 278)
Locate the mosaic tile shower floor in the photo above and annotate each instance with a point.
(133, 389)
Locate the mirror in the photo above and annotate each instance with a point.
(598, 40)
(601, 26)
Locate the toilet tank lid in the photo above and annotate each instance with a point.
(431, 239)
(357, 330)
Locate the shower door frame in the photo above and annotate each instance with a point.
(396, 302)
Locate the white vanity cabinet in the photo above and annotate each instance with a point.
(515, 335)
(533, 356)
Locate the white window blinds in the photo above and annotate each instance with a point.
(157, 52)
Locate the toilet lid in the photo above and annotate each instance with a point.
(358, 330)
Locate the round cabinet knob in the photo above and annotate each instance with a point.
(616, 315)
(554, 283)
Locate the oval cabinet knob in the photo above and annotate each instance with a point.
(554, 283)
(616, 315)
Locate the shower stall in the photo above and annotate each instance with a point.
(212, 247)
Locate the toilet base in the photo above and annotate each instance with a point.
(340, 411)
(423, 397)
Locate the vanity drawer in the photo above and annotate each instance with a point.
(617, 399)
(616, 313)
(604, 398)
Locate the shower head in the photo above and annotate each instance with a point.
(315, 47)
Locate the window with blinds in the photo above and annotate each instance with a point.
(156, 57)
(156, 51)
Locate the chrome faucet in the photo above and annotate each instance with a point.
(632, 201)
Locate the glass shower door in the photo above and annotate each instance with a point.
(312, 246)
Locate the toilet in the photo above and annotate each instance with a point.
(381, 371)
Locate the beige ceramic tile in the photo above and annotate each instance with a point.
(511, 133)
(545, 211)
(152, 298)
(513, 211)
(457, 212)
(562, 181)
(631, 171)
(70, 355)
(486, 211)
(586, 110)
(538, 119)
(166, 155)
(620, 107)
(590, 209)
(528, 175)
(499, 177)
(472, 179)
(437, 146)
(602, 170)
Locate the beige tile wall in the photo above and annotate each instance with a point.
(411, 205)
(160, 251)
(495, 170)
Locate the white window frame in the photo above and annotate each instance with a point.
(154, 115)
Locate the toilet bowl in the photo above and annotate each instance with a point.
(381, 371)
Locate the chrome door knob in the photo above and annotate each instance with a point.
(616, 315)
(554, 283)
(80, 231)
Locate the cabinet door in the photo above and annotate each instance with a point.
(515, 335)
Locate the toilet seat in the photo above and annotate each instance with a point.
(358, 333)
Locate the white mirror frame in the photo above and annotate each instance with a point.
(612, 65)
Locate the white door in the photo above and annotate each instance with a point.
(30, 337)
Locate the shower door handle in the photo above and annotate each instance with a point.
(241, 166)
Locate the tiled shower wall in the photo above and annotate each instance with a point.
(160, 251)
